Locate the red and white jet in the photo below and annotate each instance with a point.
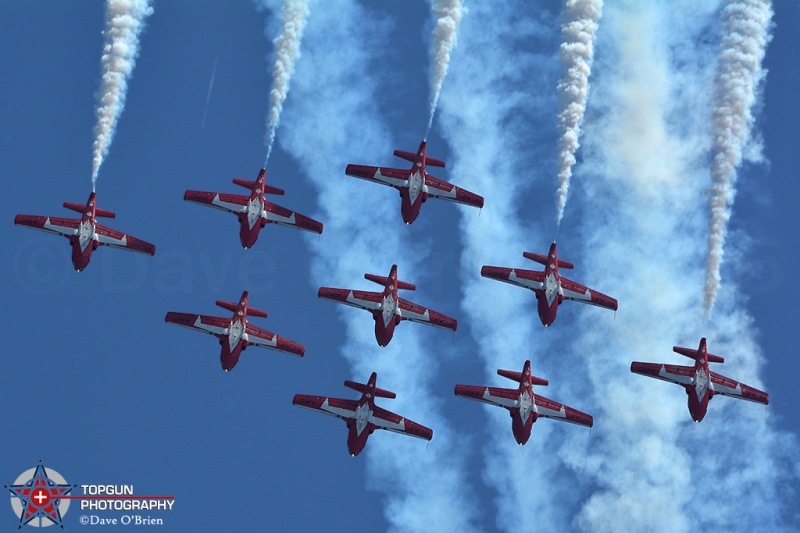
(415, 185)
(84, 233)
(523, 405)
(362, 415)
(236, 334)
(700, 383)
(550, 287)
(253, 211)
(387, 308)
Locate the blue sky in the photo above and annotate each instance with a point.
(103, 391)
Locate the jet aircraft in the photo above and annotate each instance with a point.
(253, 211)
(84, 233)
(363, 416)
(415, 185)
(700, 383)
(387, 308)
(236, 334)
(523, 405)
(550, 287)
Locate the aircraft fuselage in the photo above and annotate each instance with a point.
(233, 341)
(386, 318)
(550, 298)
(251, 220)
(83, 243)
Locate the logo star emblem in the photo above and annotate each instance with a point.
(40, 497)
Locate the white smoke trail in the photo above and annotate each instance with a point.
(646, 466)
(745, 35)
(208, 94)
(578, 30)
(332, 122)
(124, 23)
(448, 14)
(489, 119)
(287, 50)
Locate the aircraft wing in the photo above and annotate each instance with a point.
(61, 226)
(492, 395)
(728, 387)
(337, 407)
(362, 299)
(280, 215)
(393, 177)
(116, 239)
(530, 279)
(212, 325)
(682, 375)
(417, 313)
(577, 292)
(446, 191)
(228, 202)
(266, 339)
(390, 421)
(549, 409)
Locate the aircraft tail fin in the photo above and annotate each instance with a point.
(693, 354)
(247, 184)
(97, 211)
(382, 280)
(542, 260)
(360, 387)
(252, 311)
(408, 156)
(517, 376)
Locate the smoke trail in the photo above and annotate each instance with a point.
(448, 14)
(577, 51)
(124, 23)
(287, 50)
(333, 100)
(489, 118)
(646, 466)
(745, 28)
(208, 94)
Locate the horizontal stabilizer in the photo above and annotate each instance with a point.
(252, 311)
(97, 211)
(273, 190)
(250, 184)
(247, 184)
(693, 353)
(517, 376)
(360, 387)
(408, 156)
(230, 306)
(542, 260)
(382, 280)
